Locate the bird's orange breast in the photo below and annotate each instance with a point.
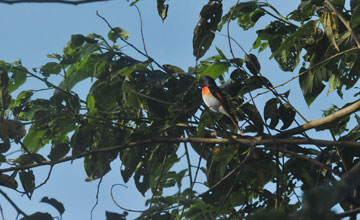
(205, 91)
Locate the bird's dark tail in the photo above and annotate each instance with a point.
(235, 123)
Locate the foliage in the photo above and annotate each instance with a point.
(135, 111)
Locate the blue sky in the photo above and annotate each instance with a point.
(30, 31)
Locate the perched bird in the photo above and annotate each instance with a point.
(214, 98)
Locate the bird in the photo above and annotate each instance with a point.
(214, 99)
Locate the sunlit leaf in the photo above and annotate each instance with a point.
(117, 33)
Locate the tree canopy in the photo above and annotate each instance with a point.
(150, 115)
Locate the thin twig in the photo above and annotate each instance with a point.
(189, 163)
(96, 197)
(117, 204)
(348, 213)
(142, 35)
(52, 85)
(160, 177)
(47, 179)
(135, 48)
(18, 210)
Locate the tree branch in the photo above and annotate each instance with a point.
(10, 2)
(13, 204)
(315, 123)
(244, 141)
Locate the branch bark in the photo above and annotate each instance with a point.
(69, 2)
(315, 123)
(243, 141)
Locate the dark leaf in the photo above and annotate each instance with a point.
(27, 179)
(311, 83)
(77, 40)
(58, 151)
(252, 63)
(8, 181)
(54, 203)
(162, 9)
(271, 111)
(287, 115)
(38, 216)
(115, 216)
(210, 16)
(26, 159)
(97, 165)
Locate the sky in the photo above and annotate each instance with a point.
(31, 31)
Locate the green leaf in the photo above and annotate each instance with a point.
(23, 97)
(38, 216)
(173, 69)
(215, 70)
(311, 83)
(126, 71)
(17, 78)
(54, 203)
(116, 33)
(50, 68)
(334, 83)
(329, 22)
(104, 95)
(27, 179)
(210, 16)
(90, 103)
(35, 139)
(355, 17)
(246, 13)
(131, 99)
(78, 72)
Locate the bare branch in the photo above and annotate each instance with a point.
(244, 141)
(69, 2)
(135, 48)
(348, 213)
(313, 124)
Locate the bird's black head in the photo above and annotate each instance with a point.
(207, 81)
